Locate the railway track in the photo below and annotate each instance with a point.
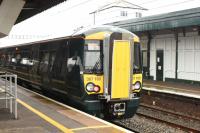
(167, 114)
(170, 112)
(151, 119)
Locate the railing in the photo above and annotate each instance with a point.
(8, 91)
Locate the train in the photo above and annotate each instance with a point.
(97, 70)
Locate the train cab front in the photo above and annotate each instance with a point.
(112, 72)
(125, 78)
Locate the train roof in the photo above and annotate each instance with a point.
(80, 33)
(105, 28)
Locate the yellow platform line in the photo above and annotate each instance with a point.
(45, 117)
(91, 127)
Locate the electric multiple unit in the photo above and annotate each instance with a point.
(97, 70)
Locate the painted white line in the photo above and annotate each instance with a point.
(174, 92)
(81, 112)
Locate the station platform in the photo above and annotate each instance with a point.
(39, 114)
(180, 89)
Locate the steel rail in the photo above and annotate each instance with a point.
(170, 112)
(184, 128)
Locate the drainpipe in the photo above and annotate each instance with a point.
(176, 66)
(148, 54)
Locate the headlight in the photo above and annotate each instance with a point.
(136, 86)
(90, 87)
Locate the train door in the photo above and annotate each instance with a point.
(159, 65)
(33, 71)
(74, 66)
(44, 66)
(57, 67)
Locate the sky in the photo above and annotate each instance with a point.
(67, 17)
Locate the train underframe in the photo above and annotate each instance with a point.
(100, 107)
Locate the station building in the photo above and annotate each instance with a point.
(170, 45)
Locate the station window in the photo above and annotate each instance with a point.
(124, 13)
(138, 15)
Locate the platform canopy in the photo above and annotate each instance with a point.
(173, 20)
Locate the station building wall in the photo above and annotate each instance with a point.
(188, 55)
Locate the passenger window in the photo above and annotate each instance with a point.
(26, 61)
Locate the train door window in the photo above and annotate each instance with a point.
(9, 58)
(45, 58)
(6, 60)
(35, 53)
(52, 60)
(3, 58)
(75, 59)
(35, 59)
(18, 57)
(72, 61)
(44, 62)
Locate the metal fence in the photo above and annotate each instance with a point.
(8, 91)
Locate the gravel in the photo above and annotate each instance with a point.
(144, 125)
